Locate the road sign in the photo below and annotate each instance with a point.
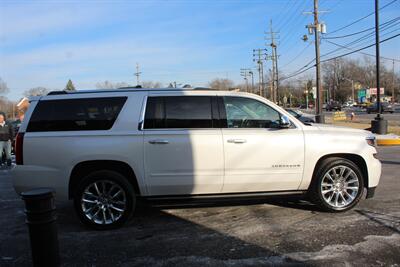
(373, 91)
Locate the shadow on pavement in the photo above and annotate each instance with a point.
(386, 220)
(157, 237)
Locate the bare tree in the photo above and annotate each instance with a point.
(3, 87)
(110, 85)
(37, 91)
(221, 84)
(151, 84)
(105, 85)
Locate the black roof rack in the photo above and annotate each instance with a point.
(63, 92)
(130, 87)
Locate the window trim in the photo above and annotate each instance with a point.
(142, 114)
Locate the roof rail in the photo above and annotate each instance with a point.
(203, 88)
(130, 87)
(63, 92)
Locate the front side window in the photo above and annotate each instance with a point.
(178, 112)
(249, 113)
(75, 114)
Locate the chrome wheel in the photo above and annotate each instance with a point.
(340, 186)
(103, 202)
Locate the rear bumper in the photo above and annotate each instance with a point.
(28, 177)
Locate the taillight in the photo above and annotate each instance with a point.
(19, 149)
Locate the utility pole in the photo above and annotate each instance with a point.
(379, 124)
(259, 56)
(137, 74)
(315, 29)
(393, 96)
(306, 92)
(274, 58)
(245, 73)
(271, 86)
(252, 81)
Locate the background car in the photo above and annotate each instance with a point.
(305, 118)
(334, 105)
(385, 107)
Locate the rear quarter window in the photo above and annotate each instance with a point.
(75, 114)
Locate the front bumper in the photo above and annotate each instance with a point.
(370, 192)
(374, 171)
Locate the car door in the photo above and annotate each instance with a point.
(259, 155)
(183, 148)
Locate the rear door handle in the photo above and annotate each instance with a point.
(237, 141)
(159, 142)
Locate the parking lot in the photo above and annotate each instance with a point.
(279, 232)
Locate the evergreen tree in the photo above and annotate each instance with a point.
(70, 86)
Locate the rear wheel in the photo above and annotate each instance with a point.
(337, 186)
(104, 200)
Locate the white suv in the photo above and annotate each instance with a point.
(104, 149)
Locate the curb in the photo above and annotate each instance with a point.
(387, 140)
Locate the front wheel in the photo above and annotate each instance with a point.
(104, 200)
(337, 186)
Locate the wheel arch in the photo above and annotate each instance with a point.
(82, 169)
(356, 159)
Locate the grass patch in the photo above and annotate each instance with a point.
(363, 125)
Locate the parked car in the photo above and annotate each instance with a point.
(303, 117)
(385, 107)
(105, 149)
(333, 106)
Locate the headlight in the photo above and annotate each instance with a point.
(371, 141)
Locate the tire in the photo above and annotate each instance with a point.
(109, 200)
(321, 180)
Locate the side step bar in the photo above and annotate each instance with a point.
(226, 196)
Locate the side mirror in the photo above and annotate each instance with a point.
(284, 122)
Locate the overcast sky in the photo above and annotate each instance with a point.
(45, 43)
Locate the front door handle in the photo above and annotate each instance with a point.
(159, 142)
(237, 141)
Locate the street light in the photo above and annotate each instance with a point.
(379, 125)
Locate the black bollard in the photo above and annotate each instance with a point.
(41, 218)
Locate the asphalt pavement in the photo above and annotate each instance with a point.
(280, 232)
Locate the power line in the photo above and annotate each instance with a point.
(296, 10)
(365, 47)
(302, 70)
(367, 54)
(356, 33)
(298, 55)
(311, 61)
(331, 8)
(362, 18)
(282, 14)
(360, 39)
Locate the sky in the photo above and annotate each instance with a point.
(45, 43)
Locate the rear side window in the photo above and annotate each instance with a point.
(178, 112)
(76, 114)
